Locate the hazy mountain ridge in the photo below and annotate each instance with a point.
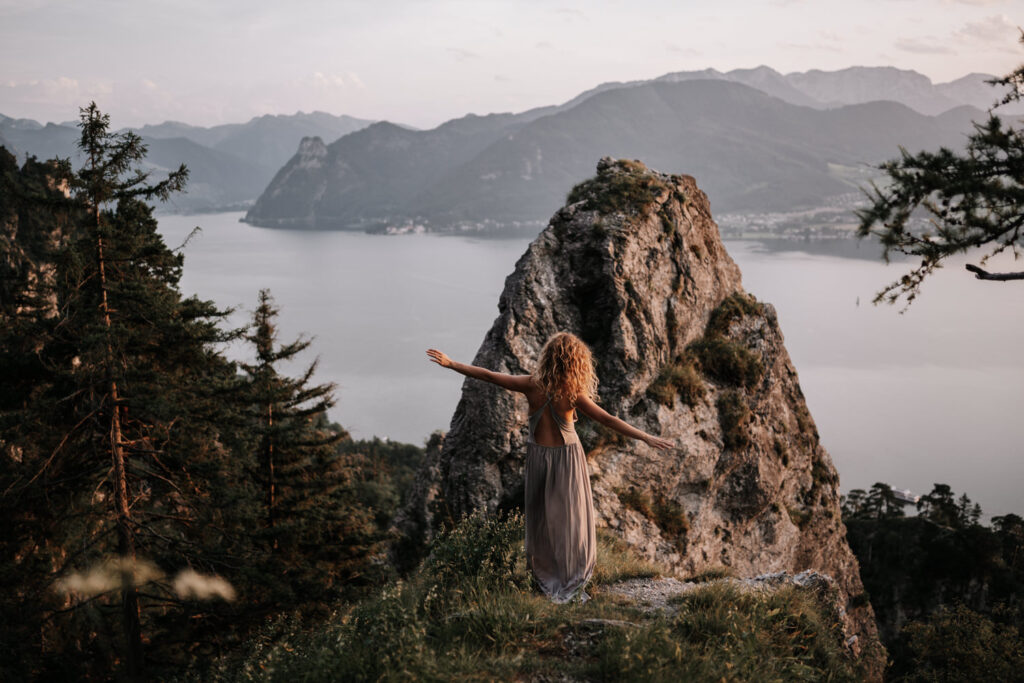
(752, 151)
(229, 165)
(853, 85)
(232, 164)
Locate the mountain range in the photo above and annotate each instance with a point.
(759, 140)
(229, 165)
(791, 142)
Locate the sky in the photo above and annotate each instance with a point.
(422, 62)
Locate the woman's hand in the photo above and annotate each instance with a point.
(658, 442)
(439, 358)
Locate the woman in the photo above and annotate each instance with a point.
(561, 547)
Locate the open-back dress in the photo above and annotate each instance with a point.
(561, 545)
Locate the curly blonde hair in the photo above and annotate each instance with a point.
(566, 368)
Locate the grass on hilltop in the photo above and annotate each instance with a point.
(469, 613)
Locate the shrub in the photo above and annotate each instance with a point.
(959, 644)
(485, 547)
(678, 378)
(733, 308)
(733, 415)
(619, 187)
(728, 361)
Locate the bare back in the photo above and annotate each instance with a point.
(547, 432)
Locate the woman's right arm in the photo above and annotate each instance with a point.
(597, 413)
(520, 383)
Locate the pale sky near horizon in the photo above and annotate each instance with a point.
(422, 62)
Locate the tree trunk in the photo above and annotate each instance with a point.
(268, 452)
(125, 541)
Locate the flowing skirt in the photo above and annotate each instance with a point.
(561, 544)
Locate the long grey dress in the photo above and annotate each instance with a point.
(561, 545)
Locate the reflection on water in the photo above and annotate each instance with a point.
(932, 395)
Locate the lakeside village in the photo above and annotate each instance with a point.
(835, 219)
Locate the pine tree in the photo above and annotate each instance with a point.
(933, 205)
(117, 436)
(881, 502)
(317, 532)
(940, 506)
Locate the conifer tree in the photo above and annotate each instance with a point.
(318, 534)
(117, 438)
(940, 506)
(933, 205)
(881, 502)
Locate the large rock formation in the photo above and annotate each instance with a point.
(634, 265)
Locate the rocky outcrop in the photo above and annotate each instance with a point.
(634, 265)
(296, 188)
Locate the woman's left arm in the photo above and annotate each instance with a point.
(596, 412)
(520, 383)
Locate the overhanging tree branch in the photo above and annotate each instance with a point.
(985, 275)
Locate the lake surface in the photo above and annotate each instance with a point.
(933, 395)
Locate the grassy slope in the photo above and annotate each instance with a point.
(469, 613)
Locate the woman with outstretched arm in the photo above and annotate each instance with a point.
(561, 545)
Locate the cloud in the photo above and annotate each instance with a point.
(322, 80)
(924, 47)
(996, 29)
(55, 94)
(544, 45)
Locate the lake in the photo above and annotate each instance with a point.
(932, 395)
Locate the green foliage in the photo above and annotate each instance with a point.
(958, 644)
(724, 633)
(733, 308)
(482, 546)
(474, 625)
(912, 566)
(733, 416)
(937, 204)
(678, 378)
(118, 419)
(728, 361)
(239, 475)
(880, 503)
(620, 186)
(395, 466)
(317, 523)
